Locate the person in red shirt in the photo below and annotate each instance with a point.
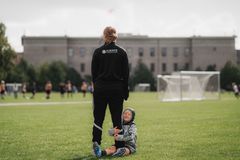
(2, 89)
(48, 89)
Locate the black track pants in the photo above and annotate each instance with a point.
(115, 103)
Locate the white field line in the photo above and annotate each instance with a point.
(42, 103)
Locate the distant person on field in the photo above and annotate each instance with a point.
(24, 89)
(62, 89)
(84, 88)
(48, 89)
(2, 89)
(74, 89)
(90, 88)
(33, 90)
(69, 88)
(15, 90)
(235, 90)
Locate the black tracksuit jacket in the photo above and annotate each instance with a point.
(110, 71)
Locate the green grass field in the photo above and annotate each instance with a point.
(201, 130)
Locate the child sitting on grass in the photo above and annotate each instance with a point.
(128, 134)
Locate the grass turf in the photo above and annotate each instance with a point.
(174, 130)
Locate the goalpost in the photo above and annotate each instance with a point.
(189, 85)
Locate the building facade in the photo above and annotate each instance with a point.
(161, 55)
(238, 57)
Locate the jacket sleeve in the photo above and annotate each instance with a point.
(94, 66)
(125, 75)
(127, 136)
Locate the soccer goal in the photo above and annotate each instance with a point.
(189, 85)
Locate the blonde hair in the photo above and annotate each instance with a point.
(109, 34)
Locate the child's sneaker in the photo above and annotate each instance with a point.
(97, 150)
(119, 153)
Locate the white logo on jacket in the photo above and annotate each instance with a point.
(103, 51)
(109, 51)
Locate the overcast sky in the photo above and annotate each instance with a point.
(163, 18)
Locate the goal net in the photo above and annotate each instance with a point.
(189, 85)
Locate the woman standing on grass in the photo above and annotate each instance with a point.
(69, 89)
(110, 74)
(235, 90)
(24, 89)
(48, 89)
(84, 88)
(2, 89)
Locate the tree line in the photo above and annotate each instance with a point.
(57, 72)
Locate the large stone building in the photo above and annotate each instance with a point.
(161, 55)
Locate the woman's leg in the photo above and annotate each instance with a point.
(116, 107)
(99, 109)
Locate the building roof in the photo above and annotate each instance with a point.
(123, 36)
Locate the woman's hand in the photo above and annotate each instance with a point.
(114, 131)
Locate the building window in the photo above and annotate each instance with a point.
(186, 66)
(164, 67)
(175, 52)
(152, 67)
(186, 51)
(82, 51)
(140, 52)
(152, 52)
(70, 52)
(175, 67)
(164, 51)
(82, 67)
(129, 51)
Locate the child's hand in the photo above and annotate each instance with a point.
(113, 131)
(116, 131)
(116, 137)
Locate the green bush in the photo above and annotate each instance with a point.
(230, 73)
(142, 74)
